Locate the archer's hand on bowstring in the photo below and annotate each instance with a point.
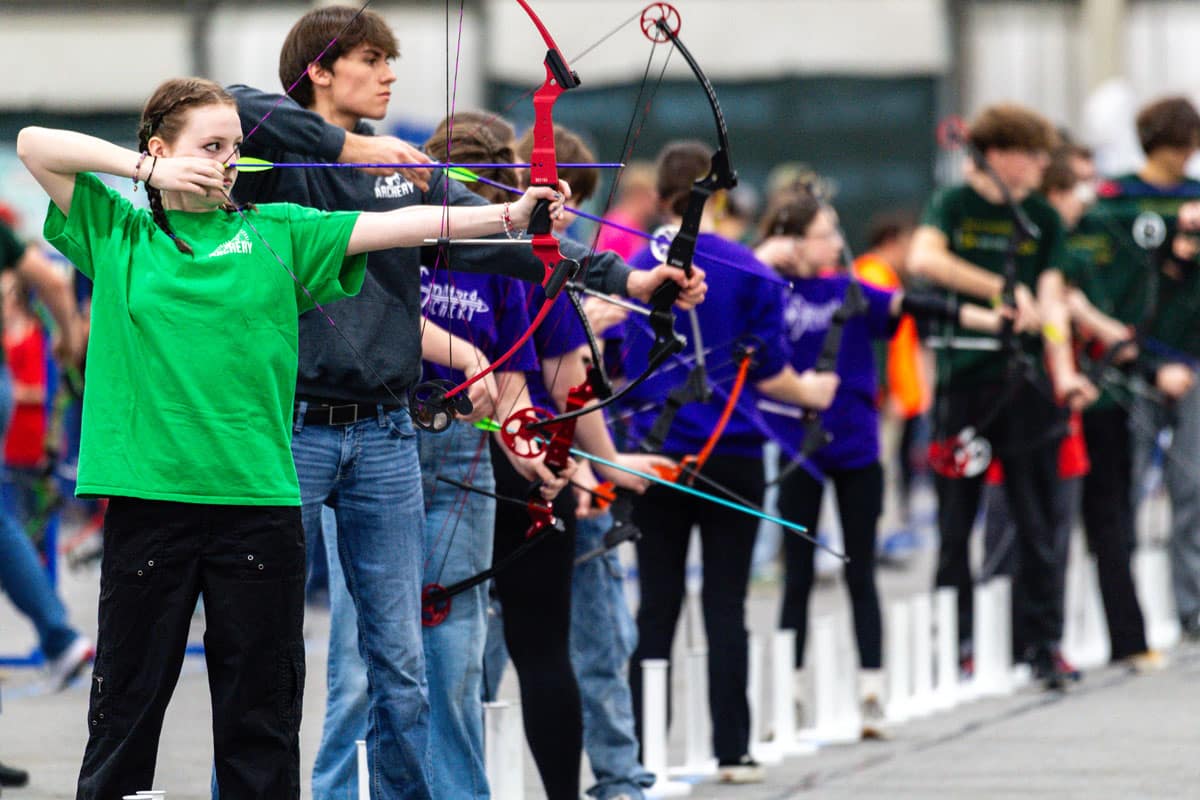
(642, 283)
(359, 149)
(780, 252)
(206, 177)
(1174, 380)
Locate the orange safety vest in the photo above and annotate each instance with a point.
(907, 389)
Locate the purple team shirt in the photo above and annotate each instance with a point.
(853, 419)
(487, 310)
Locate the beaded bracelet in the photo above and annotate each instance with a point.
(138, 168)
(506, 219)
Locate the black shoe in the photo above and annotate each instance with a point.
(11, 776)
(1048, 668)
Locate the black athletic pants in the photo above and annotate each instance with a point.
(860, 500)
(535, 595)
(1022, 438)
(665, 518)
(248, 565)
(1108, 519)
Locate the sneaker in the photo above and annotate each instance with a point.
(70, 663)
(1045, 664)
(11, 776)
(744, 770)
(874, 720)
(1146, 662)
(1068, 670)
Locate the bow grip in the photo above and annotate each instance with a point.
(539, 218)
(665, 295)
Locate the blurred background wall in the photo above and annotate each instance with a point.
(852, 87)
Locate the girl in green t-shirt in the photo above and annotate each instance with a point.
(187, 422)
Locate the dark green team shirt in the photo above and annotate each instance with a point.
(1130, 273)
(979, 232)
(1127, 235)
(11, 251)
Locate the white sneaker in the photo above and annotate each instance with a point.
(746, 770)
(70, 663)
(874, 720)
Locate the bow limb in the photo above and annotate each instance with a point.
(543, 171)
(660, 23)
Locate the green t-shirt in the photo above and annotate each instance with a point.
(11, 251)
(979, 232)
(1128, 234)
(191, 365)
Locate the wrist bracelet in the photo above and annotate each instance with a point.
(153, 164)
(1053, 333)
(138, 168)
(506, 218)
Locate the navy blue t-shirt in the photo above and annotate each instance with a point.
(853, 419)
(741, 305)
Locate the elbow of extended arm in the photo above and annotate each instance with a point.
(26, 143)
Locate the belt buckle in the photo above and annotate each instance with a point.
(348, 416)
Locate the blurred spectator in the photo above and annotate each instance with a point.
(636, 207)
(904, 383)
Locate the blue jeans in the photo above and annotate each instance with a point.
(603, 637)
(21, 574)
(458, 544)
(368, 472)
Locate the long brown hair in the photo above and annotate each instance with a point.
(164, 116)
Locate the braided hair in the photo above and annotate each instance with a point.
(479, 137)
(164, 116)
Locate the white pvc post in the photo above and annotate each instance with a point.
(945, 690)
(1152, 578)
(849, 712)
(654, 729)
(783, 702)
(985, 679)
(697, 735)
(1002, 601)
(504, 750)
(921, 611)
(827, 726)
(1085, 630)
(898, 661)
(364, 775)
(762, 751)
